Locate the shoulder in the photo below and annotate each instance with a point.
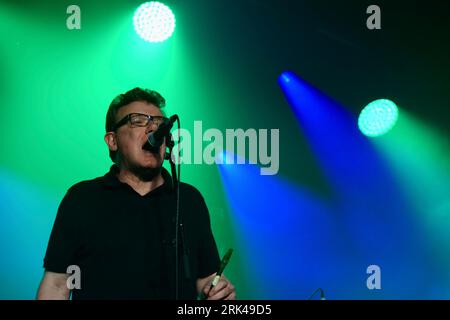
(86, 187)
(79, 198)
(193, 201)
(190, 192)
(87, 191)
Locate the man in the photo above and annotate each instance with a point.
(119, 229)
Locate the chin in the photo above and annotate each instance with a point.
(147, 173)
(152, 163)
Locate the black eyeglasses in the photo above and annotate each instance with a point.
(140, 120)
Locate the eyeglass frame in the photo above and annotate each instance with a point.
(150, 119)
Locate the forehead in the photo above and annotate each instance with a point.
(138, 107)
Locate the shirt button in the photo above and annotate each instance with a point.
(173, 242)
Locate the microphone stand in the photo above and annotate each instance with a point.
(170, 144)
(178, 226)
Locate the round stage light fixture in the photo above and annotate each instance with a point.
(378, 117)
(154, 21)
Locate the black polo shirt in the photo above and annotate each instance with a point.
(124, 243)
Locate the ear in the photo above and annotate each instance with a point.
(110, 139)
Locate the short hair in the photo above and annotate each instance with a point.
(136, 94)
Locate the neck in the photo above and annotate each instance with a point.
(138, 185)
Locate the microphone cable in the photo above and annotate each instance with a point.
(322, 294)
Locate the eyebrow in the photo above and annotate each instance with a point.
(146, 114)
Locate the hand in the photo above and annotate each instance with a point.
(223, 290)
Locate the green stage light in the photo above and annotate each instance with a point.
(378, 117)
(154, 21)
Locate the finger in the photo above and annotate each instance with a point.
(221, 294)
(219, 286)
(231, 296)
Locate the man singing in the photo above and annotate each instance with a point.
(119, 229)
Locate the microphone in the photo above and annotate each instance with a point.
(223, 264)
(156, 138)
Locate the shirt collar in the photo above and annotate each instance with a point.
(110, 179)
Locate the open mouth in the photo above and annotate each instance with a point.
(149, 148)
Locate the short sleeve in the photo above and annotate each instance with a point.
(64, 242)
(209, 259)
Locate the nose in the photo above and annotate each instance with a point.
(151, 127)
